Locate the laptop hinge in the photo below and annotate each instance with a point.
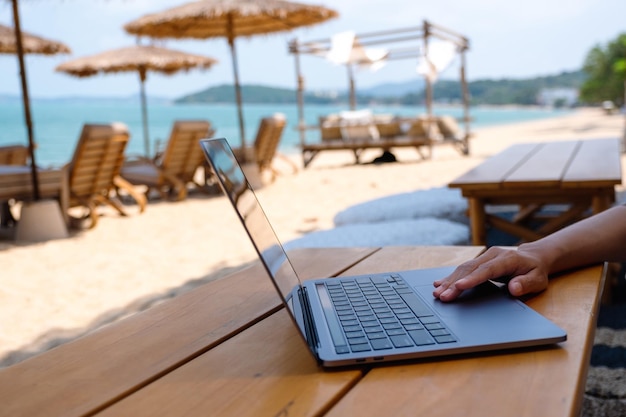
(307, 315)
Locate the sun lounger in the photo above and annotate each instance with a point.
(329, 127)
(173, 170)
(92, 176)
(265, 147)
(452, 133)
(388, 125)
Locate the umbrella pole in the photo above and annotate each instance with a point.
(26, 100)
(144, 112)
(429, 87)
(233, 53)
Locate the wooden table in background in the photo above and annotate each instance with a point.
(228, 348)
(580, 175)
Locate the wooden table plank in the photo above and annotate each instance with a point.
(399, 258)
(532, 382)
(267, 369)
(496, 169)
(545, 167)
(597, 163)
(88, 374)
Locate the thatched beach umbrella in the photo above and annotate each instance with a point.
(229, 19)
(14, 41)
(31, 44)
(138, 58)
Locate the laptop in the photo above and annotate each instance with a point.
(378, 317)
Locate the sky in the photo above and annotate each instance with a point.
(507, 40)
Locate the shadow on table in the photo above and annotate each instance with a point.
(57, 337)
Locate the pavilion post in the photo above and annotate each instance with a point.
(294, 48)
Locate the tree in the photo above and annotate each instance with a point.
(606, 70)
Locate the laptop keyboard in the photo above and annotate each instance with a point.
(382, 312)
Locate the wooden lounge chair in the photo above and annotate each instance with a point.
(388, 125)
(358, 125)
(420, 131)
(265, 147)
(93, 173)
(329, 127)
(176, 167)
(452, 133)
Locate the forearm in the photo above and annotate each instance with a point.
(596, 239)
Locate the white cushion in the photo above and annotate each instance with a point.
(442, 202)
(424, 231)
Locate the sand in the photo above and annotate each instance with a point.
(54, 291)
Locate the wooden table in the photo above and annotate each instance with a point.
(580, 176)
(228, 349)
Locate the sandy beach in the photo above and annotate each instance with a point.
(54, 291)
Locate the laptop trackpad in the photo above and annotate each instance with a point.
(486, 299)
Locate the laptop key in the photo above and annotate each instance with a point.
(429, 320)
(363, 347)
(357, 341)
(380, 344)
(376, 335)
(354, 328)
(342, 349)
(445, 339)
(401, 341)
(375, 327)
(395, 332)
(421, 337)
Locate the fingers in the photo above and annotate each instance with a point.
(493, 264)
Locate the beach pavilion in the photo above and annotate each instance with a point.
(431, 46)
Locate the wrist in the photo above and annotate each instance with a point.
(546, 254)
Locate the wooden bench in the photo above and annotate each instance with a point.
(391, 135)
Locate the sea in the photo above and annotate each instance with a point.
(57, 123)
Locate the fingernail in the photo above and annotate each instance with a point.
(515, 288)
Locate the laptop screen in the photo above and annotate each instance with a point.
(238, 190)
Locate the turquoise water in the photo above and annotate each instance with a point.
(57, 124)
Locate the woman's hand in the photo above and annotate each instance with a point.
(525, 271)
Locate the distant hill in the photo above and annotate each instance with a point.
(508, 90)
(398, 89)
(486, 91)
(251, 94)
(483, 91)
(9, 98)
